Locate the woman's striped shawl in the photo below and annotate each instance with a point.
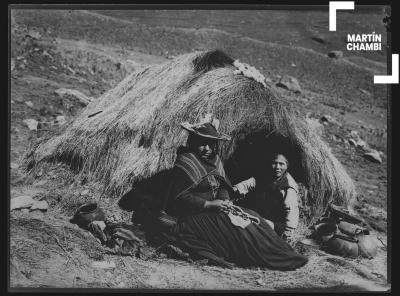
(197, 170)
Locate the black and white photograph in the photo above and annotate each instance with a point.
(200, 148)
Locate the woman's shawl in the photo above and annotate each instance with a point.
(197, 169)
(188, 171)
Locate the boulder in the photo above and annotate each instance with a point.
(12, 64)
(75, 94)
(289, 83)
(40, 205)
(356, 141)
(361, 144)
(32, 124)
(318, 39)
(21, 202)
(29, 104)
(336, 54)
(353, 142)
(260, 282)
(60, 120)
(85, 192)
(373, 156)
(325, 119)
(34, 34)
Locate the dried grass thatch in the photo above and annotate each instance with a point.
(138, 131)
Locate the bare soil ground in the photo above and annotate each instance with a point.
(90, 52)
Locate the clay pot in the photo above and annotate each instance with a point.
(88, 213)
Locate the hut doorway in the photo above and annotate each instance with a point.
(253, 156)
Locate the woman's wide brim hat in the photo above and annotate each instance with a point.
(207, 128)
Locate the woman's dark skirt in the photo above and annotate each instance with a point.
(212, 235)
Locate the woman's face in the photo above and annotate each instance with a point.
(279, 166)
(205, 148)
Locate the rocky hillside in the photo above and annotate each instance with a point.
(62, 60)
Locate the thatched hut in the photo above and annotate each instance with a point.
(137, 132)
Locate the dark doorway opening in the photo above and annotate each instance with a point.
(253, 156)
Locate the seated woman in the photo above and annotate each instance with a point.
(273, 195)
(208, 225)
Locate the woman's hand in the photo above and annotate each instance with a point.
(217, 204)
(245, 186)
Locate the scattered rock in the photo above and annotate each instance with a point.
(373, 156)
(46, 54)
(260, 282)
(44, 125)
(325, 119)
(71, 70)
(40, 205)
(14, 165)
(104, 264)
(121, 285)
(352, 142)
(12, 64)
(362, 144)
(34, 34)
(21, 202)
(60, 120)
(268, 80)
(85, 192)
(289, 83)
(365, 92)
(356, 141)
(45, 111)
(318, 39)
(75, 94)
(337, 54)
(354, 134)
(29, 104)
(32, 124)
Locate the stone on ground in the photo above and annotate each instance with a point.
(289, 83)
(21, 202)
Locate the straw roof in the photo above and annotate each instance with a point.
(138, 131)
